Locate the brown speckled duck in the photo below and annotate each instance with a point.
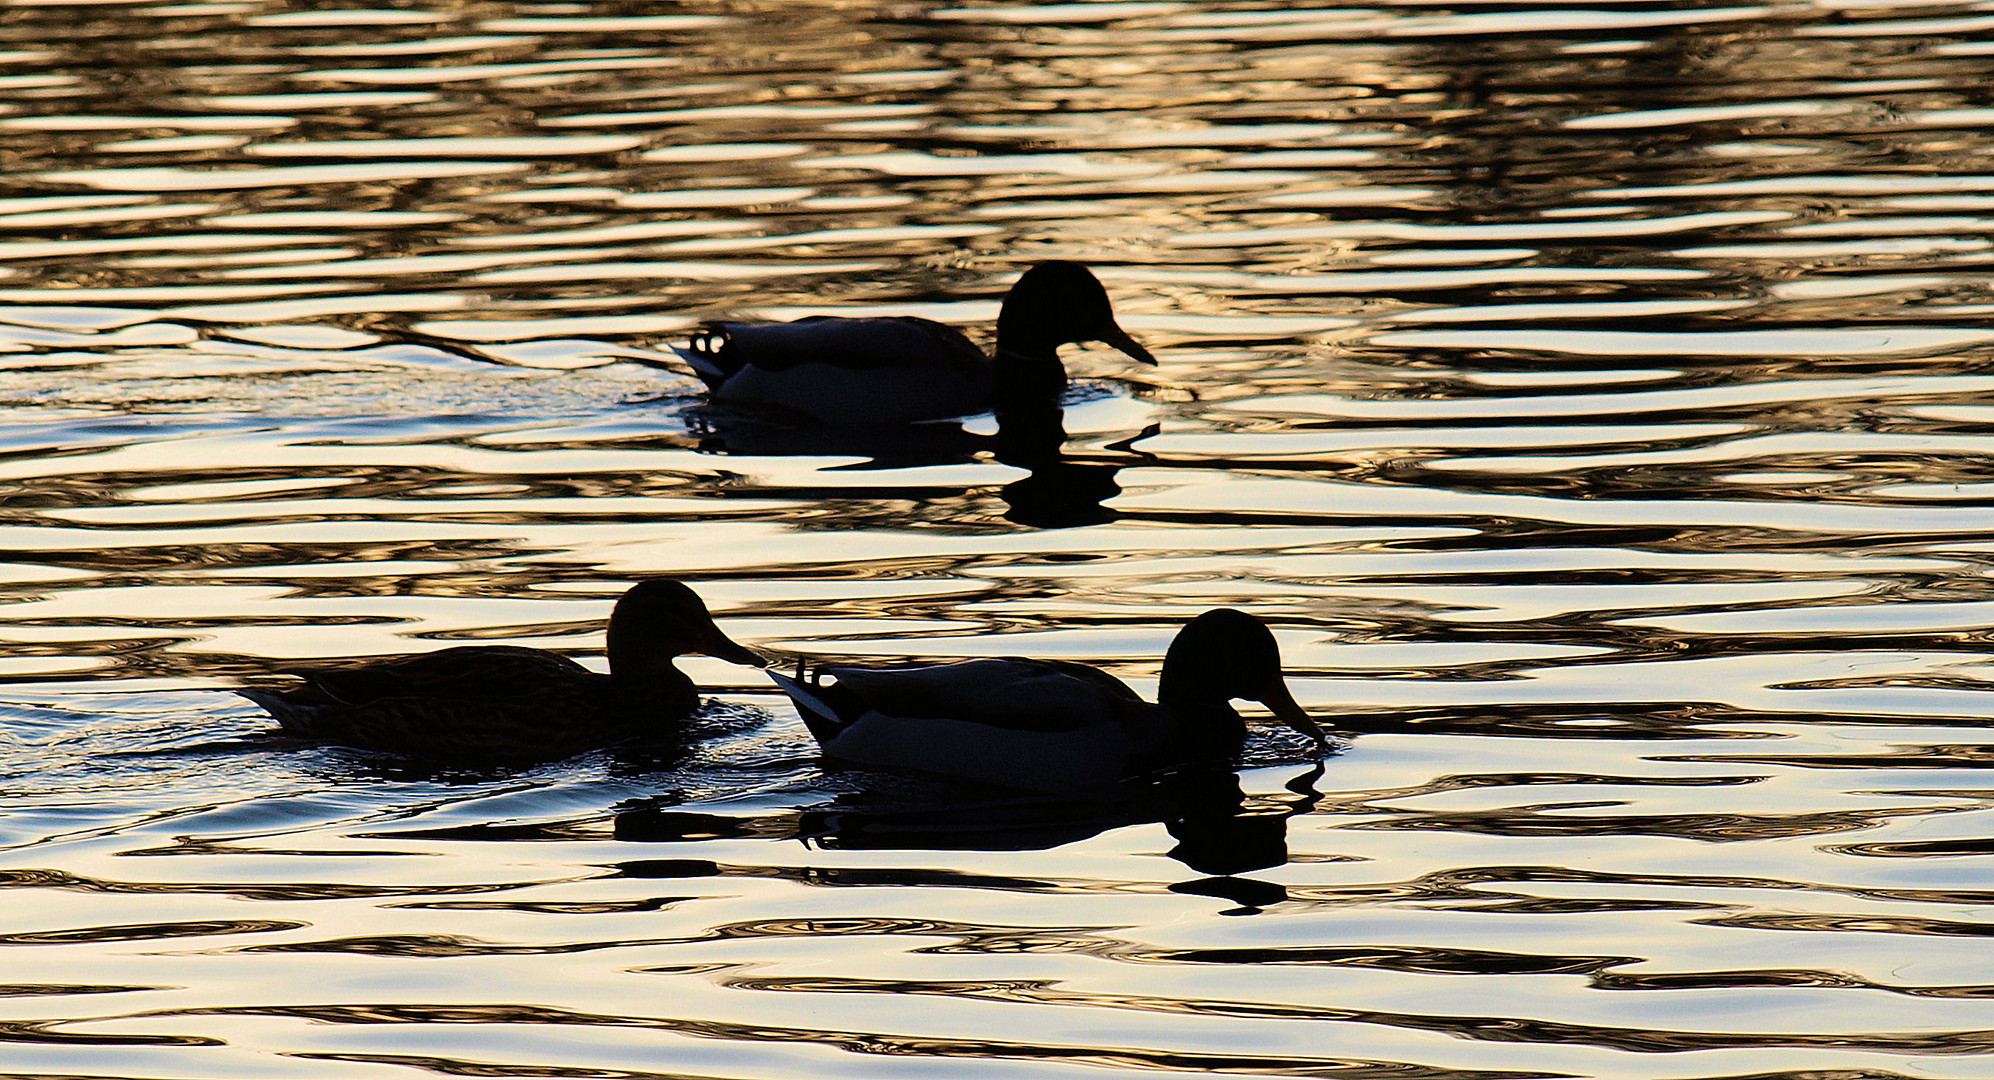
(511, 704)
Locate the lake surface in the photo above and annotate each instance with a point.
(1599, 402)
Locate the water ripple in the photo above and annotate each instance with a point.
(1590, 398)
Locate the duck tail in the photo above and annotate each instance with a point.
(700, 365)
(823, 721)
(707, 354)
(290, 715)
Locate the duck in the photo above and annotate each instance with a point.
(508, 704)
(1051, 725)
(903, 369)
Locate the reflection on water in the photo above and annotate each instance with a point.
(1596, 402)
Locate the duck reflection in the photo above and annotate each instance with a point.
(1240, 840)
(1061, 490)
(747, 432)
(1220, 830)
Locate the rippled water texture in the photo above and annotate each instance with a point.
(1596, 400)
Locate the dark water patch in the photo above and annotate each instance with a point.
(62, 990)
(146, 932)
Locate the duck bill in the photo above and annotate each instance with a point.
(1282, 705)
(721, 647)
(1120, 339)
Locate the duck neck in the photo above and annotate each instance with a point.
(1203, 712)
(640, 663)
(1027, 379)
(1028, 368)
(648, 684)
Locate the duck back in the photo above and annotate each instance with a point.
(1011, 692)
(886, 342)
(467, 673)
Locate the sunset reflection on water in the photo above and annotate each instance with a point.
(1595, 402)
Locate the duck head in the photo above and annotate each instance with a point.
(1060, 303)
(1226, 654)
(661, 619)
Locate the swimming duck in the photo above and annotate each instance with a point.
(1050, 725)
(902, 369)
(508, 703)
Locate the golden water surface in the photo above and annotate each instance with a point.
(1597, 401)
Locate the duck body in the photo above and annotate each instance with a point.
(1013, 722)
(476, 703)
(845, 371)
(507, 704)
(1045, 725)
(903, 369)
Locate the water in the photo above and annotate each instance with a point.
(1596, 400)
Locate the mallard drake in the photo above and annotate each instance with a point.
(1050, 725)
(508, 703)
(902, 369)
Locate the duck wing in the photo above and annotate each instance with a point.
(725, 348)
(1032, 724)
(470, 674)
(1009, 692)
(845, 371)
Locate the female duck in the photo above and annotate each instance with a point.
(898, 370)
(507, 703)
(1049, 725)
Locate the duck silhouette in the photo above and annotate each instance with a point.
(896, 370)
(504, 704)
(1051, 725)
